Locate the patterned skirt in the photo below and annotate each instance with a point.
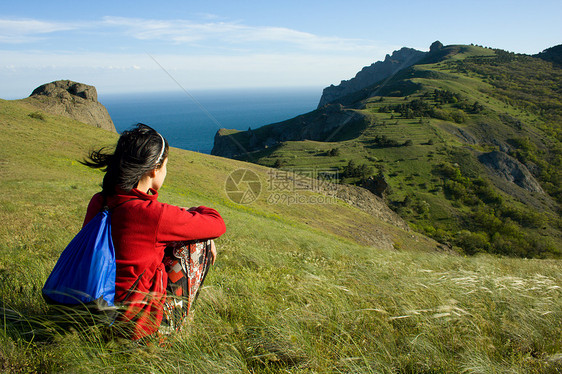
(187, 264)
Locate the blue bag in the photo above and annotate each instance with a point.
(85, 271)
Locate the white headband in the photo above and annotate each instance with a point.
(162, 151)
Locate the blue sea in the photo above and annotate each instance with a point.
(190, 120)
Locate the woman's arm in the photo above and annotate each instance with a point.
(179, 224)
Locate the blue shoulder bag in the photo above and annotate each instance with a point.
(85, 271)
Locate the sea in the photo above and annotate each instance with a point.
(190, 120)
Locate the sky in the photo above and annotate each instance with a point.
(148, 46)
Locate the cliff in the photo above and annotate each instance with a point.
(372, 74)
(74, 100)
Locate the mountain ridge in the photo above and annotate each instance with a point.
(486, 120)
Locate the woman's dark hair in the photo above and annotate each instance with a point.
(138, 150)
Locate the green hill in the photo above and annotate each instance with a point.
(468, 140)
(292, 289)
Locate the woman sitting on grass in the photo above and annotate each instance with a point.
(162, 251)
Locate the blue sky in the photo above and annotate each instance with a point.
(123, 46)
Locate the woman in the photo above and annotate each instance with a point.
(142, 228)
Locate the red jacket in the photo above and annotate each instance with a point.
(141, 229)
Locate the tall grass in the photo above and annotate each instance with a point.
(310, 304)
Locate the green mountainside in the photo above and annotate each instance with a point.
(465, 145)
(311, 287)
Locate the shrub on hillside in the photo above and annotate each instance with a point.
(440, 114)
(334, 152)
(278, 163)
(459, 116)
(37, 115)
(351, 170)
(472, 242)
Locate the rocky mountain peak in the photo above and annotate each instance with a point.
(65, 89)
(369, 75)
(435, 46)
(75, 100)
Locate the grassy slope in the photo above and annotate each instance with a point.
(410, 170)
(286, 294)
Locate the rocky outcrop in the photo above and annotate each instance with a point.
(376, 184)
(226, 144)
(372, 74)
(436, 46)
(74, 100)
(509, 169)
(370, 203)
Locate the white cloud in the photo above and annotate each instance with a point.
(28, 30)
(233, 34)
(209, 33)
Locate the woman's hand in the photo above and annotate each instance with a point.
(213, 252)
